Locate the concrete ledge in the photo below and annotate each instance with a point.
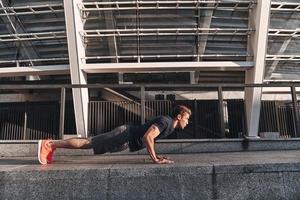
(264, 175)
(29, 148)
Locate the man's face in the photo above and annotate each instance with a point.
(183, 120)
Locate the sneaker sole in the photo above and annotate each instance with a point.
(39, 150)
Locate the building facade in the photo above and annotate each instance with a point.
(139, 42)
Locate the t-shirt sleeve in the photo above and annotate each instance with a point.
(161, 123)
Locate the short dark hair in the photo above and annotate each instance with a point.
(180, 110)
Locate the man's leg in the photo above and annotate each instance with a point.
(112, 141)
(46, 148)
(115, 140)
(73, 143)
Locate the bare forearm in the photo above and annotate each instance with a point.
(149, 137)
(150, 147)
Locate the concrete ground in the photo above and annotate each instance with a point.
(112, 160)
(232, 175)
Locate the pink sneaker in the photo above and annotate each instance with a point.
(45, 152)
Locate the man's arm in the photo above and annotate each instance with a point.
(149, 137)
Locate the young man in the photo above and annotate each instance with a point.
(123, 137)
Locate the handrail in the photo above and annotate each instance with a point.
(148, 86)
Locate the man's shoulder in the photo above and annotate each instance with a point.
(163, 118)
(163, 121)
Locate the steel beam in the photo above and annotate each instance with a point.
(157, 56)
(156, 5)
(31, 9)
(34, 70)
(295, 111)
(164, 32)
(285, 77)
(278, 57)
(5, 62)
(165, 66)
(285, 6)
(76, 50)
(62, 113)
(259, 20)
(32, 36)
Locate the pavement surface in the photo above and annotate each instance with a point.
(266, 175)
(257, 158)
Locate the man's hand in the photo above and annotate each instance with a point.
(161, 157)
(163, 160)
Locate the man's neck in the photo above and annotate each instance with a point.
(175, 122)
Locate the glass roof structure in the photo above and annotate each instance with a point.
(34, 33)
(283, 53)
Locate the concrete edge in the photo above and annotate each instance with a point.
(29, 148)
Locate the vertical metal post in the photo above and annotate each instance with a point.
(257, 44)
(295, 112)
(25, 121)
(138, 31)
(62, 112)
(221, 112)
(76, 49)
(143, 105)
(195, 119)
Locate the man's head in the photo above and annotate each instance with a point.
(181, 114)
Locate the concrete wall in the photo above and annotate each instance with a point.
(270, 181)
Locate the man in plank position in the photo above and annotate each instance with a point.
(123, 137)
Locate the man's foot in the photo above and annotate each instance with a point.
(45, 151)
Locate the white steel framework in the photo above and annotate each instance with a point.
(165, 31)
(75, 46)
(284, 32)
(32, 36)
(131, 39)
(34, 70)
(33, 60)
(285, 6)
(283, 57)
(149, 5)
(139, 58)
(165, 66)
(258, 43)
(32, 9)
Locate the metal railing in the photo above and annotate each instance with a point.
(219, 88)
(32, 9)
(156, 5)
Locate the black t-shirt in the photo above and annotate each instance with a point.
(163, 123)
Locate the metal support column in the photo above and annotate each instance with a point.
(195, 118)
(76, 48)
(25, 121)
(221, 112)
(62, 112)
(257, 43)
(295, 112)
(143, 109)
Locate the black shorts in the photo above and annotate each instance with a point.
(113, 141)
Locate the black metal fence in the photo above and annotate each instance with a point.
(36, 120)
(29, 120)
(204, 123)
